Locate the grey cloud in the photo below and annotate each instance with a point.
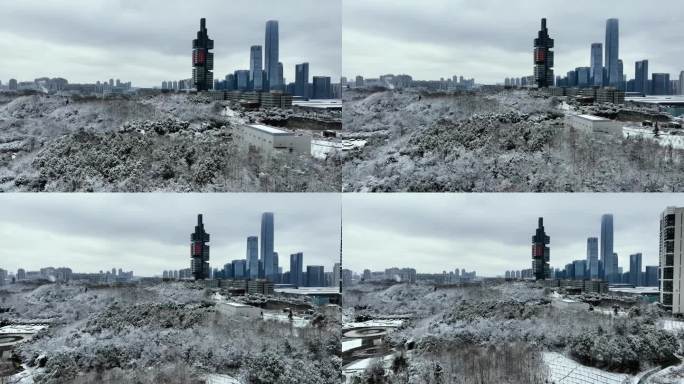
(149, 41)
(491, 39)
(492, 232)
(150, 232)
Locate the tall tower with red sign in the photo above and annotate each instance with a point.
(199, 251)
(541, 253)
(543, 58)
(202, 59)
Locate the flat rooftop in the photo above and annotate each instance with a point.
(309, 290)
(592, 118)
(664, 99)
(319, 103)
(635, 290)
(267, 129)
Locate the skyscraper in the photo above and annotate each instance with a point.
(635, 269)
(671, 255)
(267, 245)
(606, 247)
(315, 274)
(543, 58)
(592, 258)
(660, 83)
(202, 59)
(199, 251)
(621, 75)
(253, 256)
(301, 79)
(255, 68)
(297, 269)
(597, 64)
(541, 253)
(271, 56)
(321, 87)
(641, 77)
(612, 51)
(681, 83)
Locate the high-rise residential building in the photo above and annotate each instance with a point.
(612, 51)
(321, 87)
(199, 251)
(651, 276)
(606, 247)
(592, 258)
(635, 269)
(267, 245)
(336, 275)
(202, 59)
(580, 269)
(641, 77)
(239, 269)
(13, 84)
(256, 68)
(543, 57)
(271, 55)
(358, 81)
(597, 64)
(660, 83)
(21, 274)
(671, 257)
(315, 275)
(583, 77)
(253, 256)
(621, 75)
(297, 269)
(681, 83)
(301, 80)
(541, 253)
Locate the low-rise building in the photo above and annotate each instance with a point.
(591, 123)
(270, 139)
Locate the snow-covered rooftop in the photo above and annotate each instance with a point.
(271, 130)
(592, 117)
(309, 290)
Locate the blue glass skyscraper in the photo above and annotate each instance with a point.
(253, 257)
(612, 51)
(267, 245)
(609, 265)
(597, 64)
(271, 56)
(297, 269)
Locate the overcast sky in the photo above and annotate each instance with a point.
(492, 39)
(150, 41)
(151, 232)
(492, 233)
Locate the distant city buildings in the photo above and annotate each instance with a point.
(543, 58)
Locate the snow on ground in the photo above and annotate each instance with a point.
(22, 328)
(359, 366)
(664, 139)
(23, 377)
(216, 378)
(321, 148)
(297, 322)
(563, 370)
(671, 325)
(374, 323)
(351, 344)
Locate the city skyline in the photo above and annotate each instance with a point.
(490, 235)
(489, 44)
(148, 43)
(89, 233)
